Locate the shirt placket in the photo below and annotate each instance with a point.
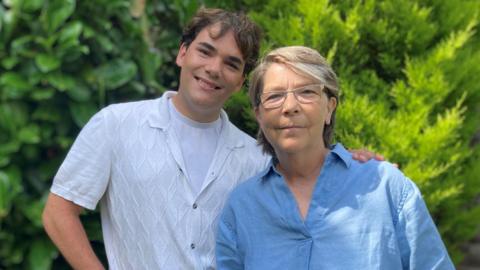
(192, 207)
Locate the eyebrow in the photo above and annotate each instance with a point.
(230, 58)
(207, 46)
(280, 88)
(235, 60)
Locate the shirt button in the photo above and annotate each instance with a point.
(194, 206)
(192, 246)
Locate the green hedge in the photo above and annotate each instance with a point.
(407, 73)
(62, 60)
(409, 90)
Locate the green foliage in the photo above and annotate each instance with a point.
(407, 72)
(61, 61)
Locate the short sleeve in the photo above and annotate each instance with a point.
(419, 240)
(84, 174)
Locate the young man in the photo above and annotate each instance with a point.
(161, 169)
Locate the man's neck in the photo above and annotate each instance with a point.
(201, 116)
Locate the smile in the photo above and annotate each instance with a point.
(206, 84)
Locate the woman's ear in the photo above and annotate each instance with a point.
(257, 113)
(332, 104)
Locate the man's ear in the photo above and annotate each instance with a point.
(332, 104)
(181, 54)
(240, 83)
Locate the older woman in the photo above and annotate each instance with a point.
(315, 207)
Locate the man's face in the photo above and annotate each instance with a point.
(211, 71)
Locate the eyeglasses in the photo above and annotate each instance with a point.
(305, 94)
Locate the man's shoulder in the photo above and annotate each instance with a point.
(248, 141)
(131, 112)
(238, 132)
(138, 107)
(248, 147)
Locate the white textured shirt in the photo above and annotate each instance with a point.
(128, 159)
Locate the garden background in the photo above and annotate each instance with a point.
(409, 79)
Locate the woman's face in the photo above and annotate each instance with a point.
(293, 127)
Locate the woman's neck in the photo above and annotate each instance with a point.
(302, 165)
(300, 172)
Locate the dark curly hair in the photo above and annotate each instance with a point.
(247, 34)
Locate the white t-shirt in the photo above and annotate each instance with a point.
(198, 142)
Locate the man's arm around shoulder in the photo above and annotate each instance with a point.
(61, 219)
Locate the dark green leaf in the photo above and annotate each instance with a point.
(64, 142)
(15, 81)
(137, 86)
(42, 251)
(9, 147)
(105, 42)
(46, 42)
(33, 211)
(72, 54)
(79, 93)
(43, 94)
(2, 17)
(30, 134)
(82, 112)
(56, 13)
(23, 46)
(61, 81)
(29, 152)
(10, 62)
(10, 186)
(116, 73)
(5, 200)
(13, 115)
(47, 63)
(70, 32)
(32, 5)
(150, 61)
(88, 32)
(4, 161)
(47, 112)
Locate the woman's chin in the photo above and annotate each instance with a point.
(289, 149)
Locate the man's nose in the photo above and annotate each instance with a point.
(213, 67)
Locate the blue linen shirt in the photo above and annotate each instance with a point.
(361, 216)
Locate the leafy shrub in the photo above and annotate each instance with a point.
(407, 72)
(406, 69)
(62, 60)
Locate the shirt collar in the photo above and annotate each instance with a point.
(342, 154)
(337, 153)
(159, 117)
